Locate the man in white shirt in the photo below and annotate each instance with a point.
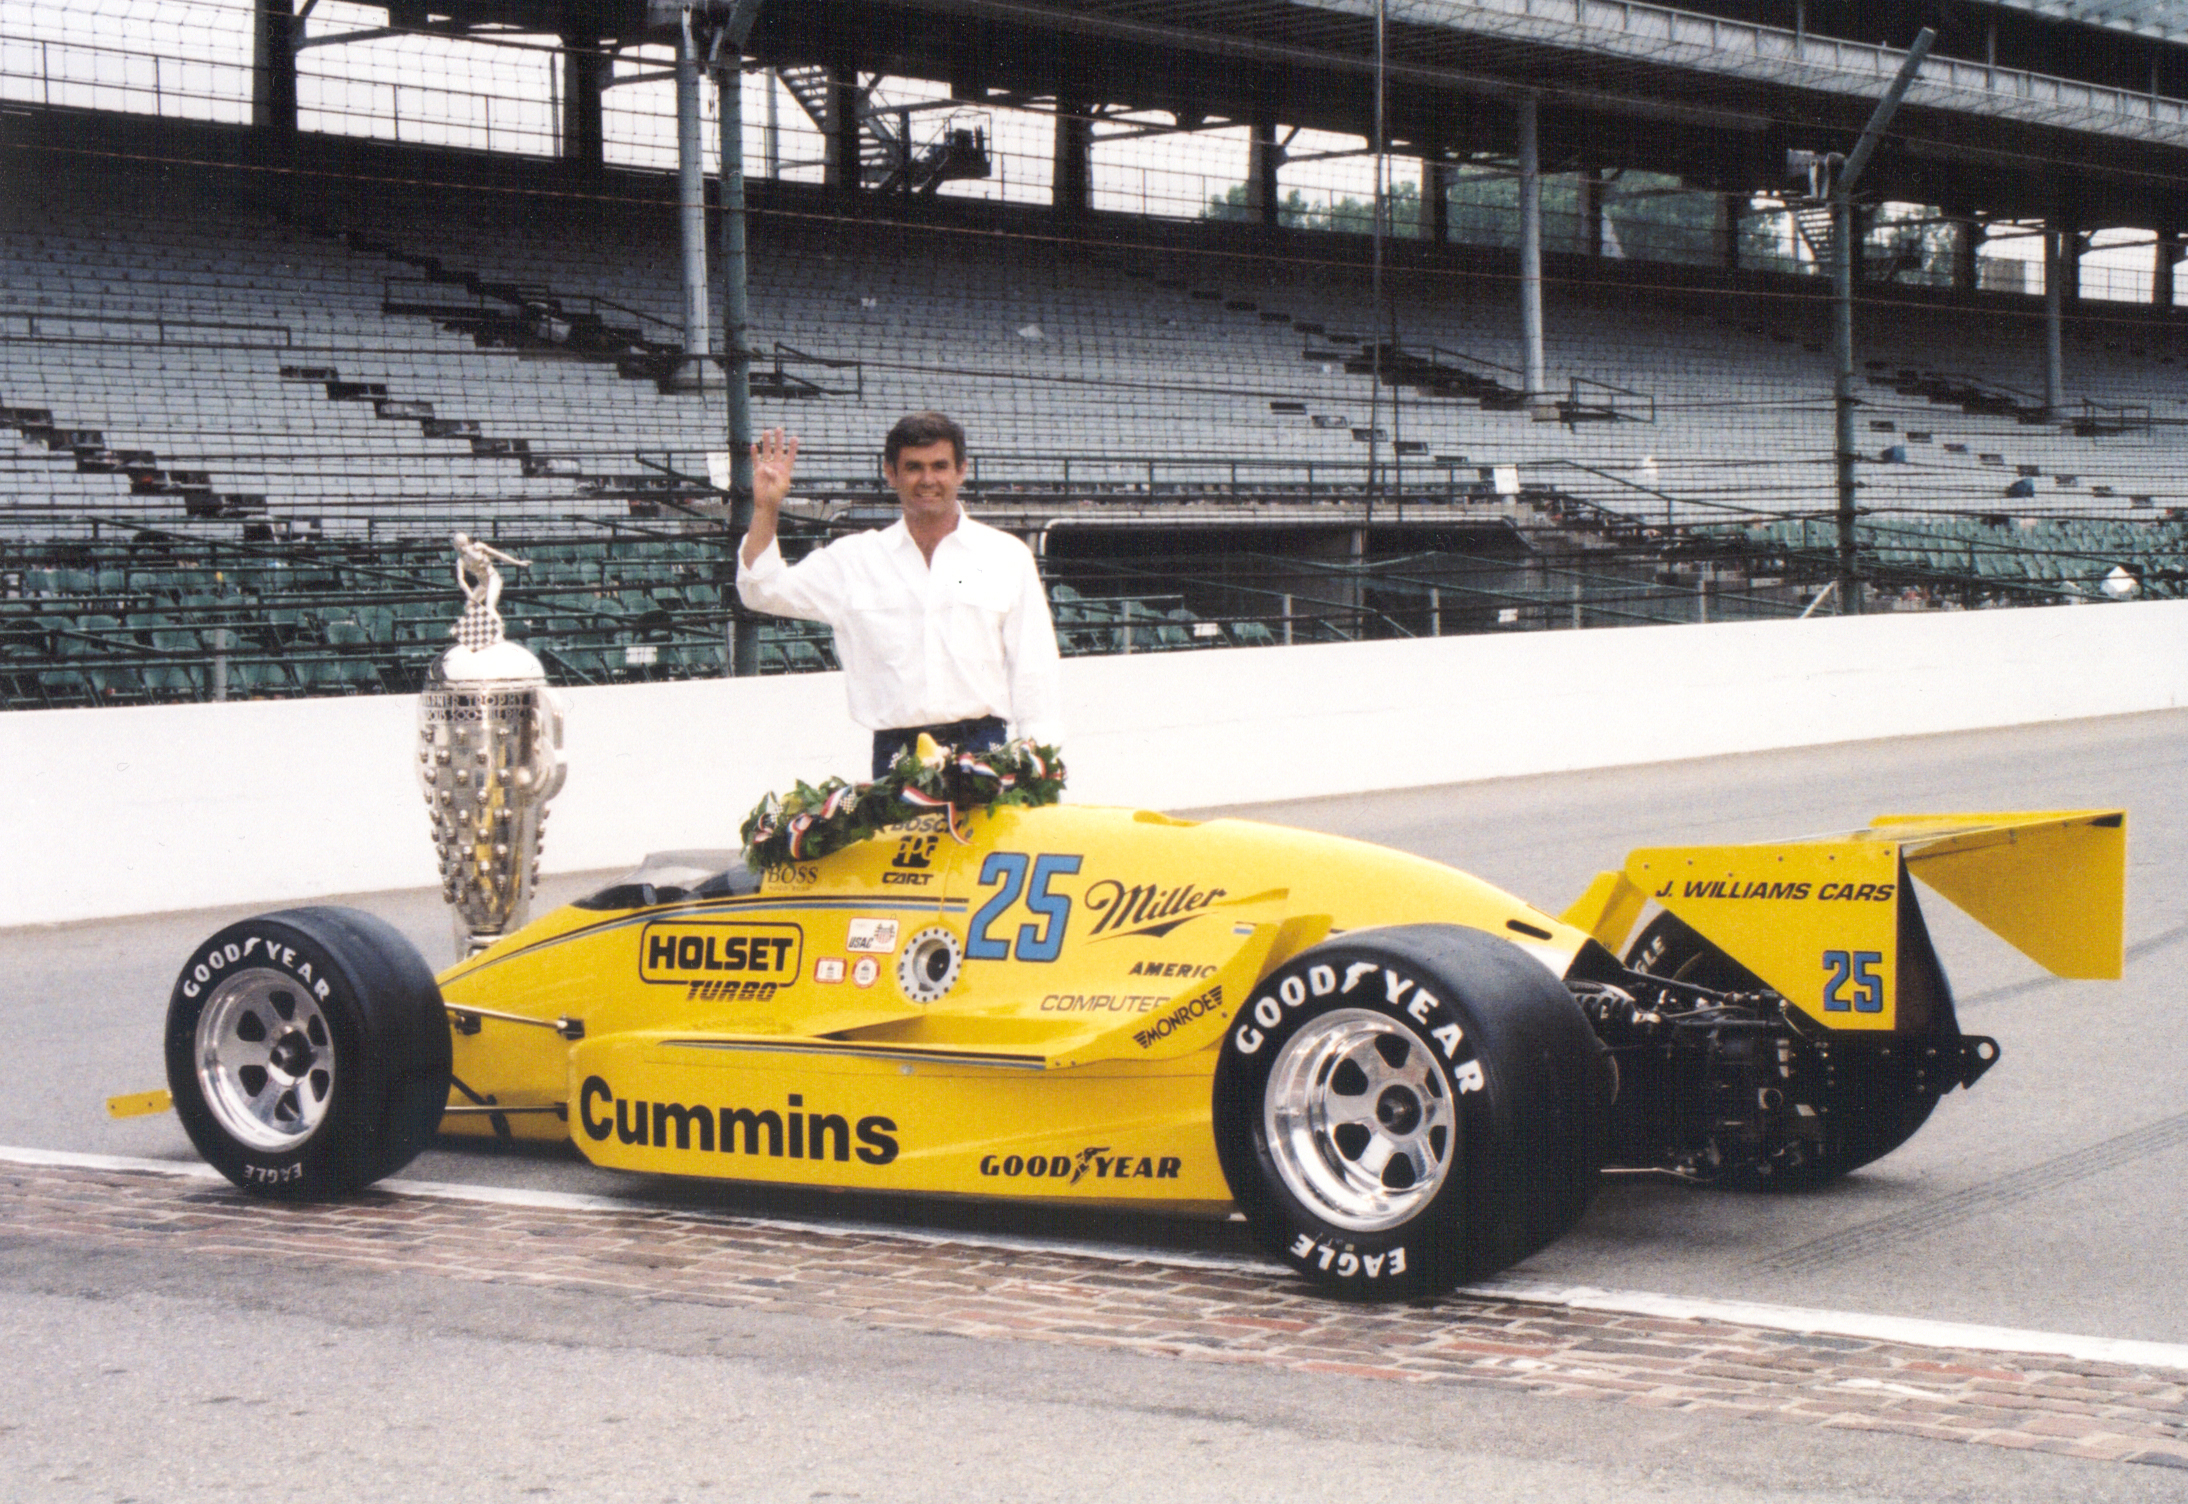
(941, 623)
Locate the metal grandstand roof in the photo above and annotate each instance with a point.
(2150, 18)
(1611, 51)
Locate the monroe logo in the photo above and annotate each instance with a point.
(689, 950)
(1145, 908)
(1177, 1018)
(730, 1130)
(1071, 1169)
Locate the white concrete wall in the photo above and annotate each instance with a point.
(123, 811)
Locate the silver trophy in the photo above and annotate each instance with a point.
(489, 759)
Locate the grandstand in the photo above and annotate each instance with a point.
(252, 373)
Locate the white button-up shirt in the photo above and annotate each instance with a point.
(924, 645)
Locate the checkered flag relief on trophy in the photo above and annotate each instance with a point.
(478, 627)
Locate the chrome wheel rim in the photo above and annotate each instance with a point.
(1360, 1120)
(265, 1059)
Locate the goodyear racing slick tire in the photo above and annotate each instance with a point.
(1875, 1101)
(307, 1052)
(1402, 1109)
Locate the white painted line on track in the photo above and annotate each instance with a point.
(1913, 1331)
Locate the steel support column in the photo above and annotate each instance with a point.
(1263, 157)
(1073, 172)
(744, 630)
(1967, 240)
(1843, 221)
(691, 209)
(1530, 254)
(273, 67)
(584, 70)
(2054, 319)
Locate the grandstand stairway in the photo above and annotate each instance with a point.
(891, 159)
(537, 319)
(1970, 394)
(141, 467)
(1434, 371)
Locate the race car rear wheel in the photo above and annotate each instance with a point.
(307, 1052)
(1876, 1093)
(1406, 1108)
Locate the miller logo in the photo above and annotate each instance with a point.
(1145, 908)
(689, 950)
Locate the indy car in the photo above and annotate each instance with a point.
(1402, 1076)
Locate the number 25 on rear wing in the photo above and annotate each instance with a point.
(1832, 925)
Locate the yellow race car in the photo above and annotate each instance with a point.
(1404, 1077)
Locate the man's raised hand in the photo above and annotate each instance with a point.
(774, 461)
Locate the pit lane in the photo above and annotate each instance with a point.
(2047, 1199)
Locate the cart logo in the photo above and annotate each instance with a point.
(1144, 908)
(688, 950)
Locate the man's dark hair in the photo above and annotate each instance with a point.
(917, 430)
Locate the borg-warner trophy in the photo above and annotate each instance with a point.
(489, 759)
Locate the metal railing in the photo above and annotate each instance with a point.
(95, 326)
(1619, 403)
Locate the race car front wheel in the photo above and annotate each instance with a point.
(307, 1052)
(1406, 1108)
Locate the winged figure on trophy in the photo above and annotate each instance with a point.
(489, 758)
(478, 579)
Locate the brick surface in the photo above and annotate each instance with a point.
(2104, 1412)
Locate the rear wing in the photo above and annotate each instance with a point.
(1831, 922)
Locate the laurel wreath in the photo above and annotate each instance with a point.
(812, 821)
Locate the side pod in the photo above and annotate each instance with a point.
(1831, 922)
